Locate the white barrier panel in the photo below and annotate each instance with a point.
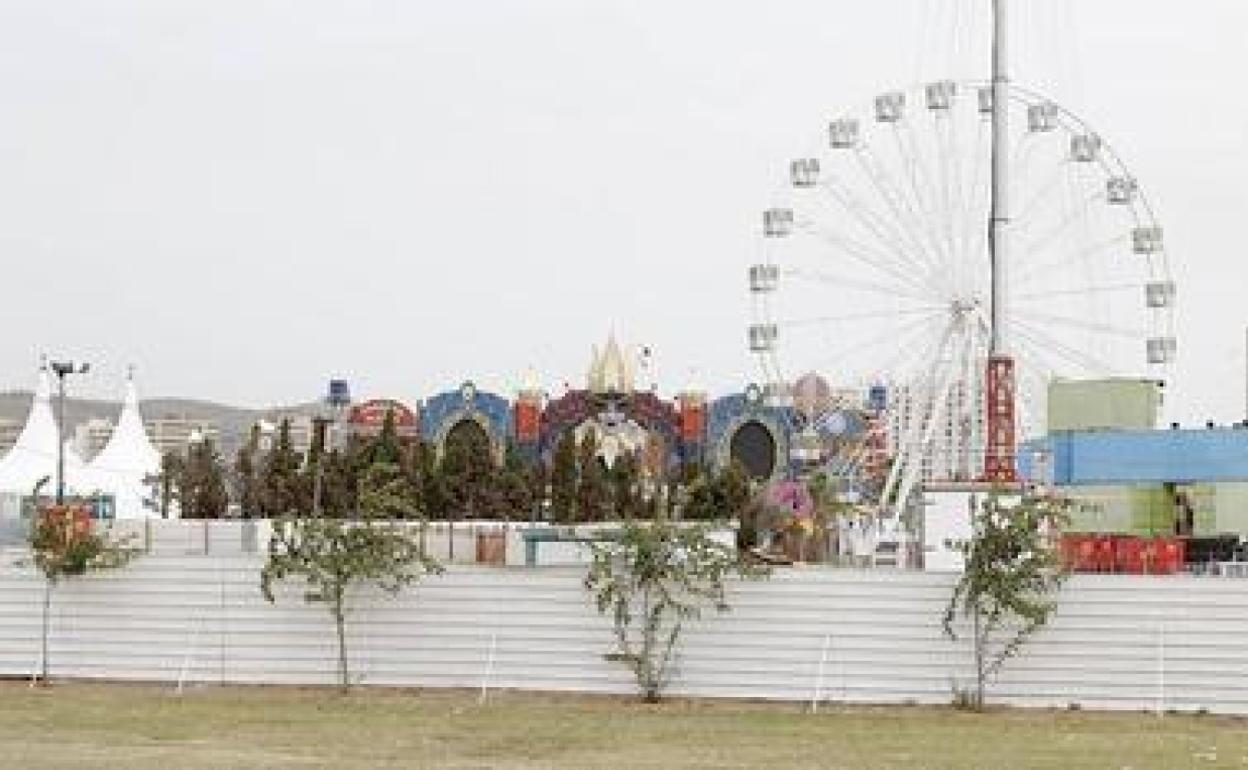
(1117, 642)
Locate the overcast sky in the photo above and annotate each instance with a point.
(246, 197)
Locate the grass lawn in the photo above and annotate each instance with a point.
(89, 725)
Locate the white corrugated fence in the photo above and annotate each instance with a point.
(1117, 642)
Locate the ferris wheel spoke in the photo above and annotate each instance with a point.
(1069, 257)
(906, 349)
(924, 189)
(1069, 219)
(856, 284)
(976, 207)
(1043, 192)
(888, 237)
(1078, 323)
(876, 341)
(1036, 371)
(914, 202)
(1020, 156)
(902, 213)
(1044, 341)
(1033, 391)
(912, 191)
(946, 142)
(1106, 289)
(889, 313)
(867, 256)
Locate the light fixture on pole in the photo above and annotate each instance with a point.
(63, 369)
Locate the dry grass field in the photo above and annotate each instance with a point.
(145, 727)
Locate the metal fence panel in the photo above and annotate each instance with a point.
(1117, 642)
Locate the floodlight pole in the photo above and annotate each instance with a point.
(999, 454)
(999, 217)
(62, 369)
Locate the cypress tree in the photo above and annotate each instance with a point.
(246, 475)
(563, 478)
(625, 498)
(201, 484)
(281, 488)
(591, 489)
(467, 472)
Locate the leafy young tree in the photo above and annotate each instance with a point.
(1012, 575)
(653, 579)
(563, 478)
(334, 555)
(64, 544)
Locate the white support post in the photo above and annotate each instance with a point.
(192, 647)
(489, 669)
(817, 694)
(1161, 668)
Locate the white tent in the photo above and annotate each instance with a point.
(121, 467)
(33, 457)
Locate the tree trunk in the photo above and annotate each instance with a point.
(650, 676)
(344, 677)
(979, 661)
(47, 611)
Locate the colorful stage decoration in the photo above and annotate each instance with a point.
(620, 418)
(468, 409)
(774, 435)
(367, 417)
(747, 429)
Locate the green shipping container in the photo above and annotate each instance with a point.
(1111, 404)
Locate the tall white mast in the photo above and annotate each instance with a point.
(999, 218)
(999, 457)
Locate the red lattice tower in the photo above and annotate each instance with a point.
(1000, 450)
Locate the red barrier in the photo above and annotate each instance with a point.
(1126, 554)
(1104, 553)
(1079, 552)
(1130, 555)
(1068, 549)
(1168, 555)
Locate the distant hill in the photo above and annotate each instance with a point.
(233, 421)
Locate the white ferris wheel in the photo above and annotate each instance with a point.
(875, 267)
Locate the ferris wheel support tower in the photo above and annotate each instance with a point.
(999, 377)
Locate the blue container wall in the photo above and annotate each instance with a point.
(1132, 457)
